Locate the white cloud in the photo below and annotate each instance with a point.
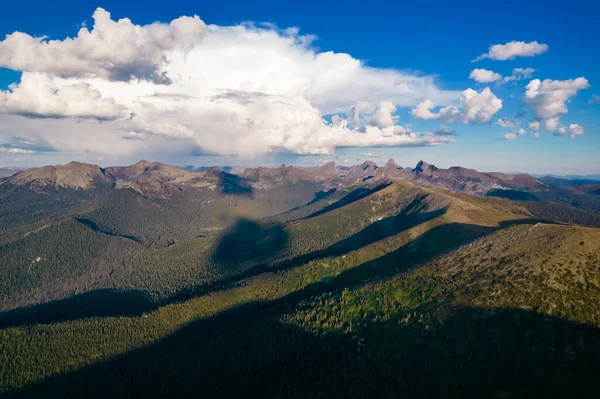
(518, 74)
(484, 75)
(383, 116)
(551, 123)
(115, 50)
(547, 99)
(361, 108)
(573, 130)
(476, 107)
(446, 114)
(514, 135)
(479, 107)
(186, 86)
(371, 155)
(536, 135)
(338, 121)
(511, 50)
(505, 122)
(40, 96)
(534, 125)
(134, 136)
(595, 99)
(15, 151)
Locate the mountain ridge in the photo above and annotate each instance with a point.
(138, 176)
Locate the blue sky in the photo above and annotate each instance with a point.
(436, 40)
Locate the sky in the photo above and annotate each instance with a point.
(512, 88)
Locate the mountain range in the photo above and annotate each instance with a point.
(324, 281)
(160, 179)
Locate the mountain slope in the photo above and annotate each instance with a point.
(360, 281)
(370, 316)
(57, 259)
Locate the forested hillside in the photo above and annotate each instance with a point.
(377, 289)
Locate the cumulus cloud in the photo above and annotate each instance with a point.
(484, 75)
(121, 88)
(24, 145)
(534, 125)
(361, 108)
(15, 151)
(40, 96)
(475, 107)
(383, 116)
(514, 134)
(479, 107)
(134, 136)
(547, 99)
(371, 155)
(551, 123)
(519, 74)
(511, 50)
(444, 131)
(338, 121)
(505, 122)
(446, 114)
(115, 50)
(573, 130)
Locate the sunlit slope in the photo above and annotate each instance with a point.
(552, 269)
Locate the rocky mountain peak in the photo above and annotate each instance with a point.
(391, 164)
(424, 167)
(142, 163)
(76, 175)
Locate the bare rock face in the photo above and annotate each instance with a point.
(392, 171)
(471, 181)
(424, 167)
(75, 175)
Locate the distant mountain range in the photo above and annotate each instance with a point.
(158, 179)
(8, 171)
(573, 177)
(4, 172)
